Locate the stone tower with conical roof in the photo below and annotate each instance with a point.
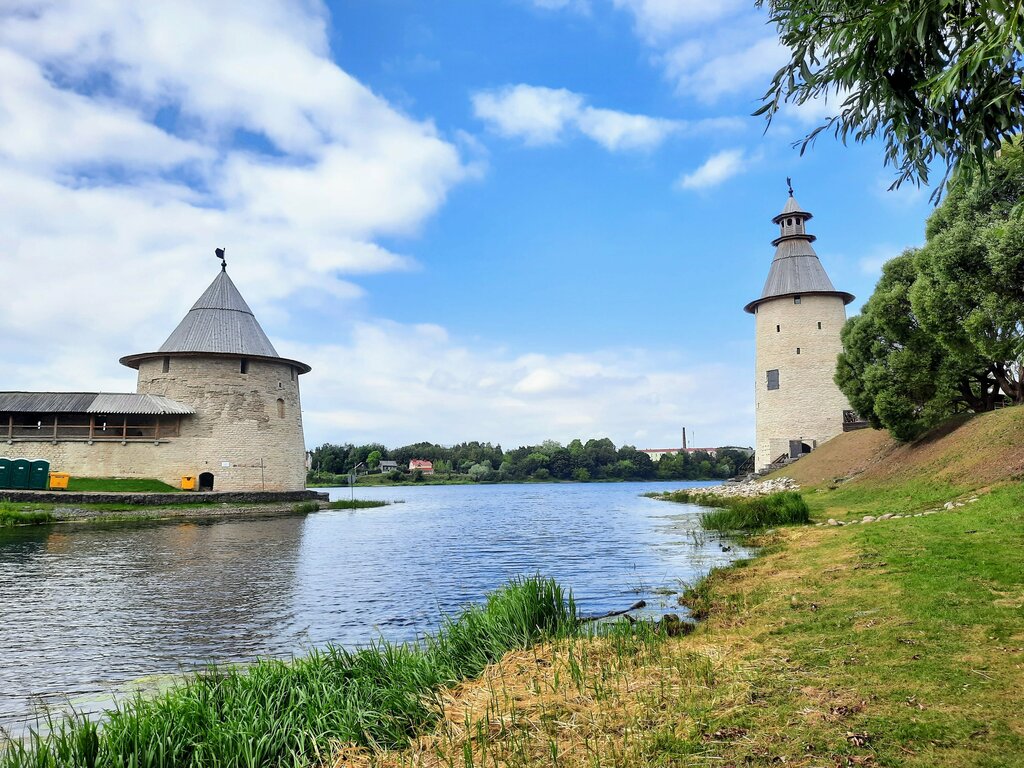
(246, 432)
(798, 318)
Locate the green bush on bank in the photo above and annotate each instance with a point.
(745, 514)
(292, 713)
(357, 503)
(10, 516)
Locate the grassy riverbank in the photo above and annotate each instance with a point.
(890, 643)
(275, 713)
(11, 515)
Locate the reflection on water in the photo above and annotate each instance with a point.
(85, 609)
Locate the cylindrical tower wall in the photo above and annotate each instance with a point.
(807, 405)
(247, 429)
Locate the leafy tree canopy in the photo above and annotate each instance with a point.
(482, 462)
(939, 80)
(944, 330)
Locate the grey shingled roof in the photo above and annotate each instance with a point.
(796, 268)
(792, 206)
(220, 321)
(91, 402)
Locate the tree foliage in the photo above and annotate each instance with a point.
(944, 330)
(482, 462)
(938, 80)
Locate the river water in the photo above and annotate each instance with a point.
(91, 611)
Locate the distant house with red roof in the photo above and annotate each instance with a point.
(424, 466)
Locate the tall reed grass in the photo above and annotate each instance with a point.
(276, 713)
(746, 514)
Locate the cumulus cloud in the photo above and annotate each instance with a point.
(483, 393)
(716, 169)
(707, 70)
(534, 114)
(135, 137)
(658, 20)
(538, 116)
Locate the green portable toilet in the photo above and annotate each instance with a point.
(5, 473)
(20, 471)
(39, 475)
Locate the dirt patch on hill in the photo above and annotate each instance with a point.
(966, 450)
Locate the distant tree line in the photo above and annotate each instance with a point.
(550, 460)
(944, 330)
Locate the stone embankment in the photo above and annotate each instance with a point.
(949, 505)
(751, 488)
(161, 499)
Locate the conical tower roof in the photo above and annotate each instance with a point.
(220, 323)
(796, 269)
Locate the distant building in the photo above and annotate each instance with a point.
(657, 453)
(215, 402)
(388, 466)
(424, 466)
(798, 318)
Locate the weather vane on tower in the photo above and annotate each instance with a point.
(789, 183)
(223, 259)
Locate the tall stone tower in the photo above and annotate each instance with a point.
(246, 433)
(798, 319)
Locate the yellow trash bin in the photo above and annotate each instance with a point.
(188, 482)
(59, 481)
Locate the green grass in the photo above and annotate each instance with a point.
(11, 515)
(745, 514)
(293, 713)
(898, 643)
(120, 485)
(357, 504)
(304, 507)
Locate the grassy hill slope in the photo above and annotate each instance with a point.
(965, 453)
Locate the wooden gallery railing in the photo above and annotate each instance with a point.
(75, 427)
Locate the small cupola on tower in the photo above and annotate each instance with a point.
(796, 269)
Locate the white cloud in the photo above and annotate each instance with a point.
(704, 69)
(534, 114)
(391, 371)
(716, 169)
(657, 20)
(540, 116)
(136, 137)
(619, 130)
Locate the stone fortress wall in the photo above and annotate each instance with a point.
(807, 405)
(241, 419)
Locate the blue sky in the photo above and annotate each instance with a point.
(505, 220)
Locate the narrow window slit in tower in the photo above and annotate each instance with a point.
(778, 329)
(796, 299)
(244, 366)
(773, 378)
(280, 408)
(819, 326)
(167, 364)
(798, 350)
